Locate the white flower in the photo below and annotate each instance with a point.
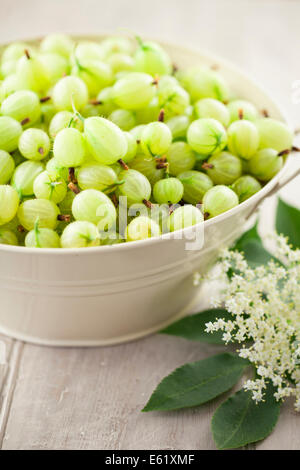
(209, 327)
(257, 395)
(226, 337)
(265, 305)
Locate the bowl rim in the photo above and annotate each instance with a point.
(256, 198)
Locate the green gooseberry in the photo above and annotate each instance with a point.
(245, 187)
(219, 199)
(168, 191)
(223, 168)
(195, 184)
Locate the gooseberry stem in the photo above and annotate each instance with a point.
(73, 188)
(95, 102)
(161, 162)
(147, 203)
(64, 217)
(161, 165)
(45, 99)
(123, 164)
(161, 116)
(115, 200)
(207, 166)
(25, 121)
(283, 152)
(26, 51)
(71, 176)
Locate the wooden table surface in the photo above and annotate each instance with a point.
(91, 398)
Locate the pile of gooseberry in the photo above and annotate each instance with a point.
(107, 142)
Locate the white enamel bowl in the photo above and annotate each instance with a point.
(111, 294)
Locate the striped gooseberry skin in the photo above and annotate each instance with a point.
(9, 203)
(243, 138)
(245, 187)
(80, 234)
(223, 168)
(34, 144)
(7, 166)
(183, 217)
(24, 176)
(10, 131)
(94, 206)
(38, 210)
(48, 186)
(265, 164)
(195, 184)
(219, 199)
(42, 238)
(8, 237)
(156, 139)
(168, 191)
(62, 120)
(68, 92)
(97, 176)
(274, 134)
(69, 148)
(207, 136)
(180, 157)
(134, 91)
(24, 106)
(135, 187)
(141, 228)
(106, 141)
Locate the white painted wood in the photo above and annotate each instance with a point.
(89, 399)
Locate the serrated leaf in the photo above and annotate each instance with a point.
(251, 245)
(240, 421)
(193, 327)
(196, 383)
(288, 222)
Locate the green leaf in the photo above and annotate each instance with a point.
(192, 327)
(196, 383)
(240, 421)
(288, 222)
(251, 245)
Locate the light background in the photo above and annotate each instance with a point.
(85, 399)
(262, 36)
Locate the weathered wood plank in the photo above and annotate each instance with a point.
(91, 398)
(10, 353)
(286, 436)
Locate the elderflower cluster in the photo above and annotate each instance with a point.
(265, 307)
